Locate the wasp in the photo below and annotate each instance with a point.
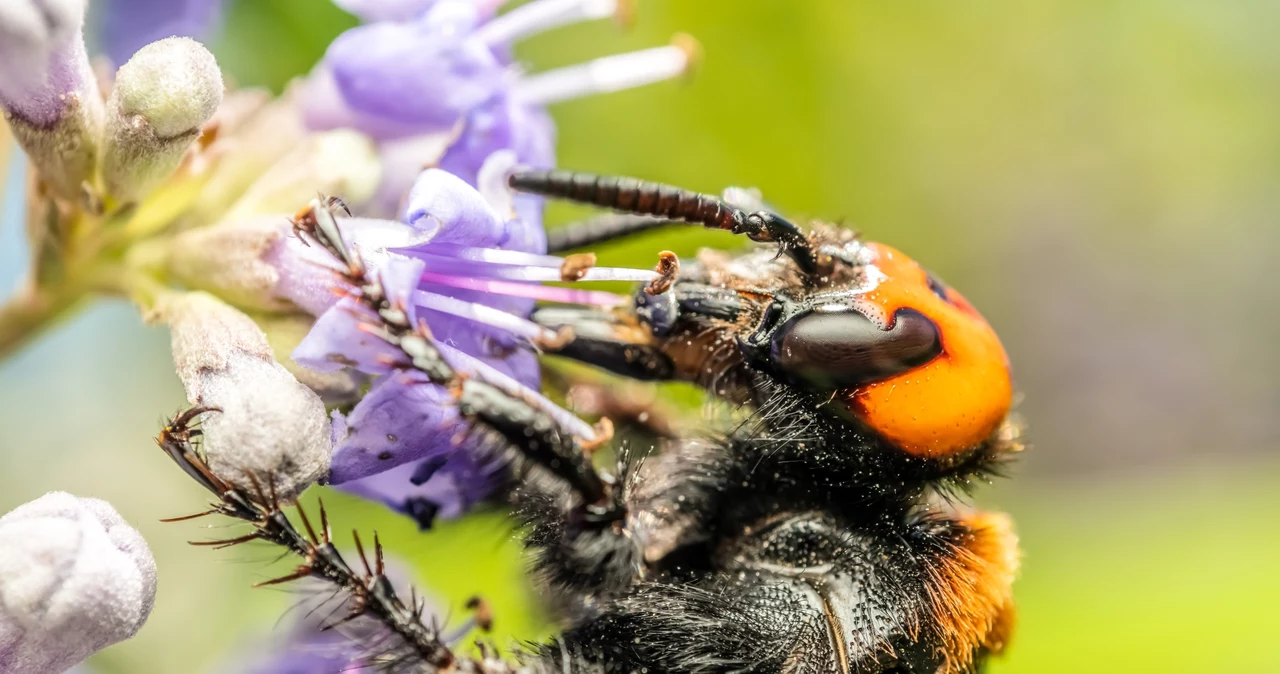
(817, 535)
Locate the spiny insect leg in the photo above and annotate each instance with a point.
(540, 439)
(520, 416)
(373, 593)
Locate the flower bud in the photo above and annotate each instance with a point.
(160, 100)
(335, 162)
(226, 259)
(74, 578)
(249, 143)
(48, 91)
(270, 426)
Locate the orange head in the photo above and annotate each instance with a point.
(900, 352)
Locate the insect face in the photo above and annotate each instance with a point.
(888, 346)
(898, 351)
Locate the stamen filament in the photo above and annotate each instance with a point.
(516, 289)
(540, 16)
(482, 314)
(494, 255)
(534, 274)
(603, 75)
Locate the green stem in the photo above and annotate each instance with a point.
(31, 311)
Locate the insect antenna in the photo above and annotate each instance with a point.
(641, 197)
(601, 229)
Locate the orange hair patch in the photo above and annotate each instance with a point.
(971, 591)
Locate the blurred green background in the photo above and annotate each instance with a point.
(1098, 176)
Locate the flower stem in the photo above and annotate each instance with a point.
(31, 311)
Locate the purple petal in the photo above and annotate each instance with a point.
(323, 108)
(399, 277)
(43, 63)
(404, 417)
(529, 132)
(339, 657)
(526, 231)
(129, 25)
(309, 275)
(346, 334)
(498, 350)
(425, 73)
(440, 487)
(371, 11)
(502, 124)
(308, 649)
(445, 205)
(337, 340)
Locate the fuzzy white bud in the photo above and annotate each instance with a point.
(270, 425)
(74, 578)
(161, 99)
(227, 259)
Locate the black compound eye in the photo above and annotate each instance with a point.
(833, 350)
(938, 287)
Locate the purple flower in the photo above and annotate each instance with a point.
(310, 648)
(130, 25)
(443, 70)
(454, 268)
(48, 91)
(43, 65)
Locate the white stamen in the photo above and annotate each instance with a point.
(543, 272)
(494, 255)
(482, 314)
(603, 75)
(540, 16)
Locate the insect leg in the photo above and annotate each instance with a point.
(603, 340)
(371, 593)
(601, 229)
(534, 427)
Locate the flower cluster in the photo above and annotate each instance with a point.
(160, 186)
(435, 82)
(404, 442)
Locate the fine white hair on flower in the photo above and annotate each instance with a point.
(270, 429)
(74, 579)
(161, 99)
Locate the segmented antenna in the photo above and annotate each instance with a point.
(600, 229)
(641, 197)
